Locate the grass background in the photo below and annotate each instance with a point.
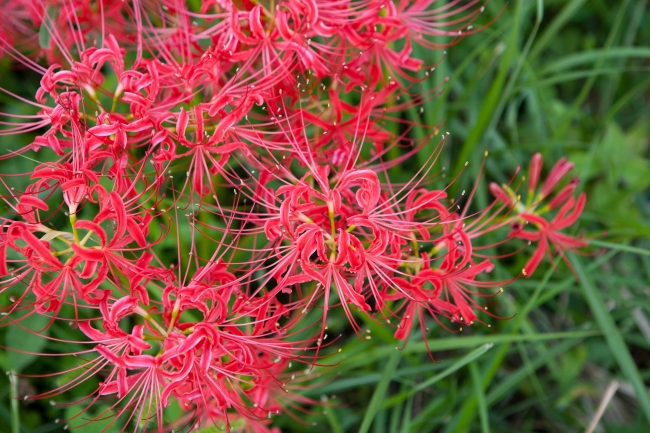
(565, 78)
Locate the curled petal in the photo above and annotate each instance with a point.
(89, 225)
(41, 249)
(369, 191)
(88, 253)
(181, 123)
(561, 168)
(536, 258)
(535, 169)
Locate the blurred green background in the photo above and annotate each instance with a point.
(565, 78)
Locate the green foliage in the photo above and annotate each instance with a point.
(45, 34)
(26, 340)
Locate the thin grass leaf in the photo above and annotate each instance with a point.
(593, 56)
(395, 416)
(406, 421)
(507, 385)
(493, 97)
(424, 418)
(480, 397)
(549, 35)
(380, 391)
(468, 409)
(467, 342)
(470, 357)
(15, 412)
(333, 421)
(367, 379)
(562, 130)
(45, 32)
(620, 247)
(635, 19)
(578, 75)
(614, 339)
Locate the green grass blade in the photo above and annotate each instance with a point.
(480, 397)
(555, 26)
(470, 357)
(558, 288)
(562, 130)
(620, 247)
(635, 19)
(593, 56)
(333, 420)
(488, 109)
(357, 380)
(520, 374)
(406, 420)
(614, 339)
(380, 391)
(15, 410)
(467, 342)
(468, 410)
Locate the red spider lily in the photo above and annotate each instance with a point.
(28, 17)
(453, 19)
(548, 233)
(44, 275)
(206, 147)
(283, 120)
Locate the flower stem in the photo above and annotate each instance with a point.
(172, 322)
(62, 252)
(330, 212)
(15, 412)
(142, 312)
(73, 220)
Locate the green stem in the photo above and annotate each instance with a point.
(73, 221)
(62, 252)
(15, 413)
(116, 97)
(172, 322)
(85, 239)
(330, 212)
(142, 312)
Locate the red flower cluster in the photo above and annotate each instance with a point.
(218, 178)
